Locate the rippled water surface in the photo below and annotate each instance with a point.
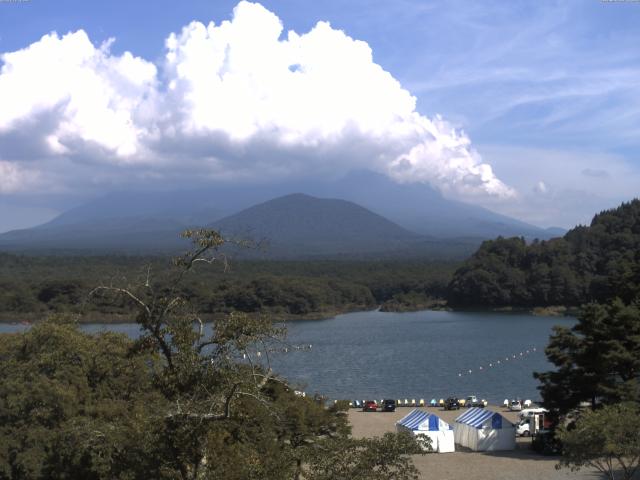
(411, 355)
(421, 354)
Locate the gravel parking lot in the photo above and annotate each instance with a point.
(521, 464)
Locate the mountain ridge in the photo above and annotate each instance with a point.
(303, 225)
(144, 222)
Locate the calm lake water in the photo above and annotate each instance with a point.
(410, 355)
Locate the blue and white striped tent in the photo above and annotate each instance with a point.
(440, 432)
(476, 417)
(480, 430)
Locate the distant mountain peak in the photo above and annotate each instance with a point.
(301, 224)
(295, 197)
(339, 206)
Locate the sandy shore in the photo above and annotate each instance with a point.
(521, 464)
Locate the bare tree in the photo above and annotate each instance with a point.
(205, 368)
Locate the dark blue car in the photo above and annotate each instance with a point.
(388, 405)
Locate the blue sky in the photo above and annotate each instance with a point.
(548, 93)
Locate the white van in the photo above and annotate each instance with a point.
(532, 420)
(527, 412)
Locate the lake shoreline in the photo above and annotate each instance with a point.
(436, 306)
(376, 354)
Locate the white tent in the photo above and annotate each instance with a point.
(483, 430)
(429, 425)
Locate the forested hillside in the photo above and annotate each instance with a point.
(590, 263)
(33, 287)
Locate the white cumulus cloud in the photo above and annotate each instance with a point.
(72, 93)
(241, 99)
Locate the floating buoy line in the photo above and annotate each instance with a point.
(288, 349)
(501, 361)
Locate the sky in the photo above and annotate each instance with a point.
(529, 108)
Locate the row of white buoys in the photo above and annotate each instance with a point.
(508, 358)
(297, 347)
(292, 348)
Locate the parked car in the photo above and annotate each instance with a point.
(451, 403)
(370, 406)
(473, 401)
(389, 405)
(523, 429)
(515, 406)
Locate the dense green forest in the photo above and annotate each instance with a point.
(174, 404)
(32, 287)
(590, 263)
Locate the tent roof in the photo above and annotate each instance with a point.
(476, 417)
(418, 420)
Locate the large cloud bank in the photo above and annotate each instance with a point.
(238, 100)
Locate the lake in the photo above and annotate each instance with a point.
(425, 354)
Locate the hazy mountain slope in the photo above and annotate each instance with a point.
(133, 235)
(294, 226)
(188, 207)
(149, 221)
(556, 231)
(299, 224)
(422, 209)
(417, 207)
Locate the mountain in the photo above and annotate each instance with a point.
(145, 221)
(416, 207)
(131, 235)
(130, 222)
(422, 209)
(194, 207)
(298, 225)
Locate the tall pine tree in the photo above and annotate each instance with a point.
(597, 360)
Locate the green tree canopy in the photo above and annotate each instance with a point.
(180, 402)
(595, 263)
(382, 458)
(76, 406)
(607, 439)
(597, 360)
